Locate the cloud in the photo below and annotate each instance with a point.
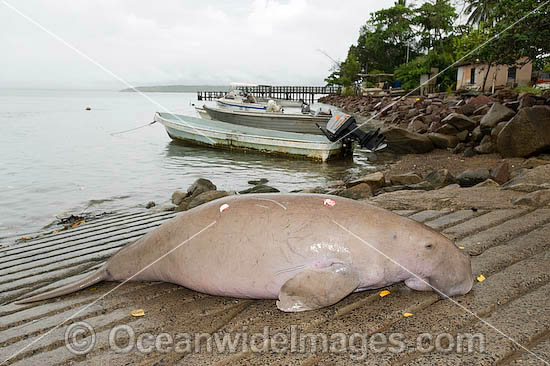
(190, 42)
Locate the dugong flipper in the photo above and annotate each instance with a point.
(317, 288)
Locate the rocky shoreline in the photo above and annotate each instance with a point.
(512, 124)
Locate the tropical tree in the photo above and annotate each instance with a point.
(480, 11)
(435, 19)
(385, 38)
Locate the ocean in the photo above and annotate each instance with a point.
(57, 158)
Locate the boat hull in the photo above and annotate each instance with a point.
(223, 135)
(296, 123)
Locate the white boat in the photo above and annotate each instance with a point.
(288, 122)
(230, 136)
(236, 99)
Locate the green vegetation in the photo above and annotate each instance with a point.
(526, 89)
(409, 41)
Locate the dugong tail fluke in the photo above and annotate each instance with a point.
(96, 276)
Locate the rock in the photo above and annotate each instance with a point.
(150, 204)
(440, 178)
(533, 163)
(459, 148)
(526, 134)
(422, 186)
(205, 197)
(405, 179)
(497, 113)
(477, 135)
(184, 204)
(178, 196)
(443, 141)
(469, 152)
(496, 131)
(505, 93)
(470, 178)
(404, 142)
(416, 125)
(463, 136)
(526, 187)
(258, 181)
(447, 129)
(482, 110)
(360, 191)
(318, 190)
(374, 180)
(434, 126)
(201, 185)
(260, 188)
(487, 183)
(500, 173)
(467, 109)
(460, 122)
(486, 146)
(535, 199)
(480, 100)
(526, 100)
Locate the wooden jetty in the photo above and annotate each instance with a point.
(307, 93)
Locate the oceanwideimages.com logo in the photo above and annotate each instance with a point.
(80, 339)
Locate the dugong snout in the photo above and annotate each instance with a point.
(454, 277)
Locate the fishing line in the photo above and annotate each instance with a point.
(132, 129)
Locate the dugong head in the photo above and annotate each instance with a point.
(438, 264)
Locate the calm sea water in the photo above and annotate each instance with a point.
(56, 157)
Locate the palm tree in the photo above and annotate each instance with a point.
(480, 11)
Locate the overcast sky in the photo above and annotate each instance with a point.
(170, 41)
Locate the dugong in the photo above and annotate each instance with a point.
(306, 250)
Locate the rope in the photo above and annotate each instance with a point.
(132, 129)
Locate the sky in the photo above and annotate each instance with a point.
(174, 41)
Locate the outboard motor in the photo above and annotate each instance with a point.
(343, 127)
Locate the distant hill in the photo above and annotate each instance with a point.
(178, 88)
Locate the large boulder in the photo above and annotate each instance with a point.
(526, 134)
(496, 114)
(402, 141)
(460, 122)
